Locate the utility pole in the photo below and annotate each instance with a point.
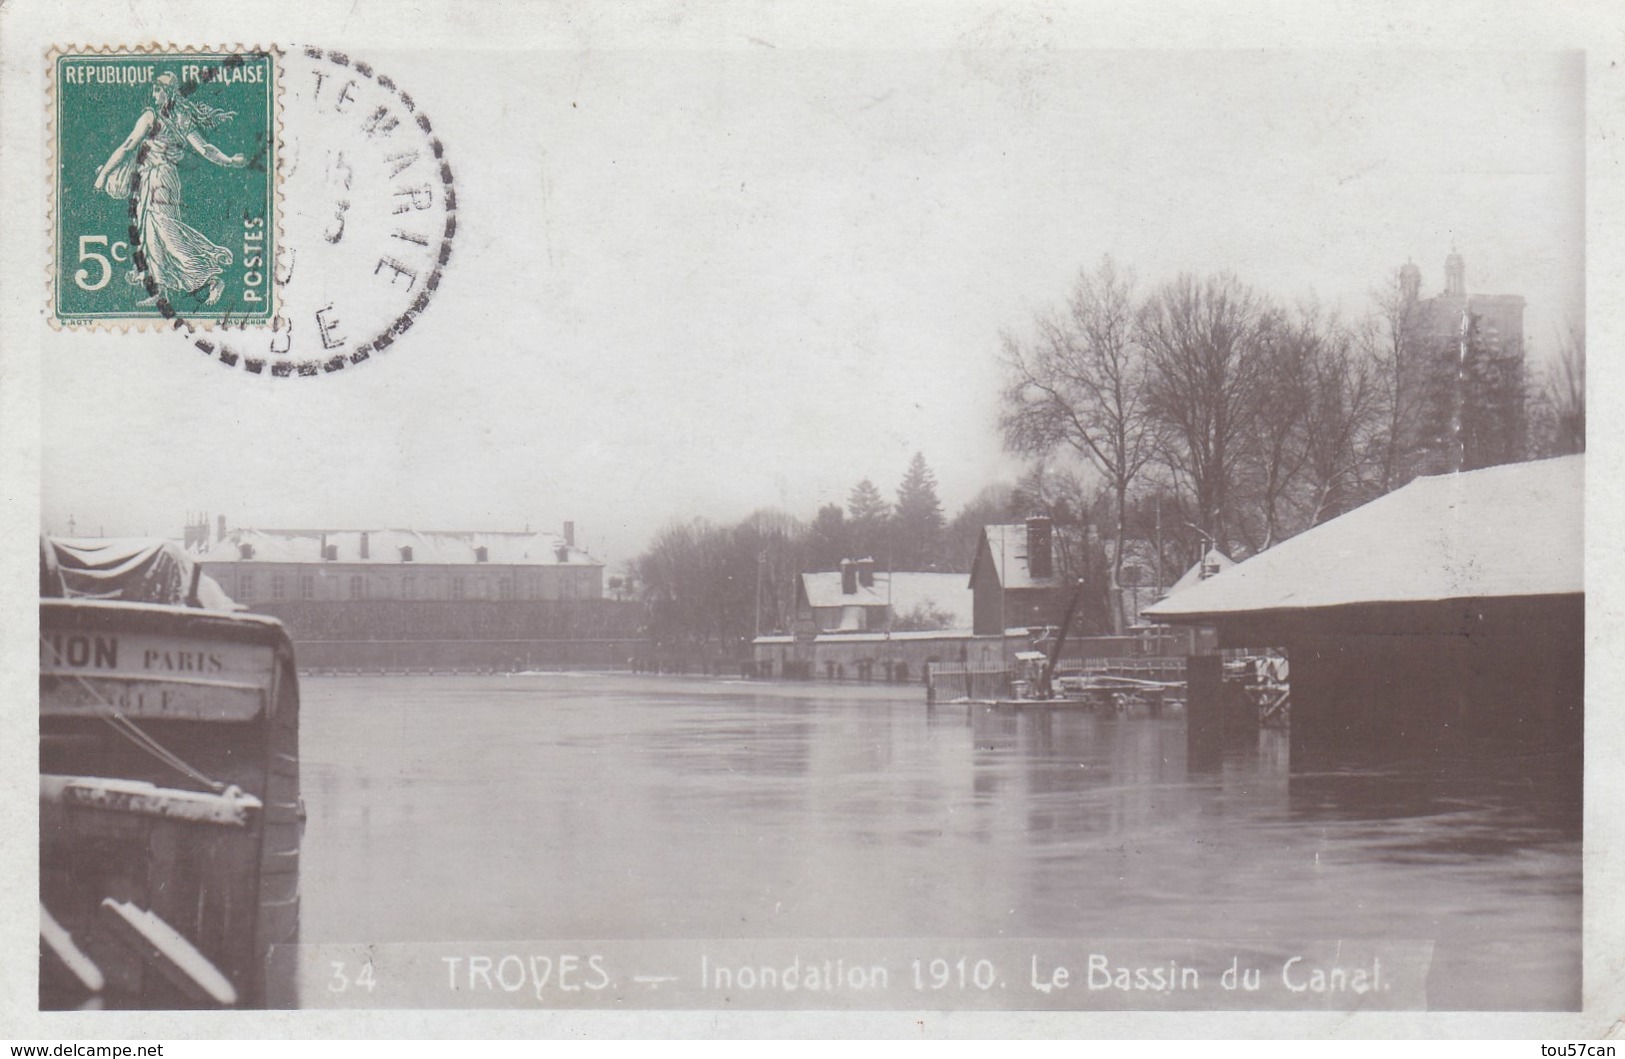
(1458, 443)
(891, 550)
(761, 564)
(1159, 543)
(1002, 577)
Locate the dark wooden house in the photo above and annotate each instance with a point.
(1446, 616)
(1015, 580)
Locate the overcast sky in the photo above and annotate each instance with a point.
(694, 284)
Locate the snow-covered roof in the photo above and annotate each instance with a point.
(1007, 547)
(905, 591)
(384, 547)
(1505, 531)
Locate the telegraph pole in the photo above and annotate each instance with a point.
(1159, 543)
(761, 563)
(1458, 443)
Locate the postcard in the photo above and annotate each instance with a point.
(877, 520)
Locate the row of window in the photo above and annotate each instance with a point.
(246, 588)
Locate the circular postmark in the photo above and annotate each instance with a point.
(367, 212)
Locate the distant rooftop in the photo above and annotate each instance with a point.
(905, 591)
(384, 547)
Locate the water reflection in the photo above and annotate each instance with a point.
(462, 809)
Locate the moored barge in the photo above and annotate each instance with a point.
(170, 816)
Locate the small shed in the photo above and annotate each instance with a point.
(1212, 564)
(1448, 613)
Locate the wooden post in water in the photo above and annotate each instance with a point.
(1240, 714)
(1204, 710)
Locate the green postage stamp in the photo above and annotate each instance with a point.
(164, 186)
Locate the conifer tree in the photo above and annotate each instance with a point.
(919, 522)
(864, 502)
(829, 538)
(868, 524)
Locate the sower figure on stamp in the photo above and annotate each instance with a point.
(177, 256)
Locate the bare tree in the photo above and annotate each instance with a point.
(1317, 403)
(1081, 385)
(1345, 406)
(710, 588)
(1399, 351)
(1275, 451)
(1080, 555)
(1202, 341)
(1568, 386)
(1558, 419)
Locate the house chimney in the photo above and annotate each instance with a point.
(849, 578)
(222, 524)
(1040, 543)
(866, 573)
(569, 534)
(364, 551)
(406, 553)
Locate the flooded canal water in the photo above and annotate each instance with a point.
(465, 809)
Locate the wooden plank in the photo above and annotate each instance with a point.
(59, 944)
(233, 809)
(163, 947)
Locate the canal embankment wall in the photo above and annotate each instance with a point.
(456, 635)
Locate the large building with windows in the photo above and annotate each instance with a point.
(414, 600)
(272, 566)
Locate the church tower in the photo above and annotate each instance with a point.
(1410, 282)
(1466, 381)
(1455, 275)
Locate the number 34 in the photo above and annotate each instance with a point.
(340, 982)
(119, 251)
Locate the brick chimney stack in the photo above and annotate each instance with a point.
(569, 534)
(1040, 547)
(849, 578)
(364, 551)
